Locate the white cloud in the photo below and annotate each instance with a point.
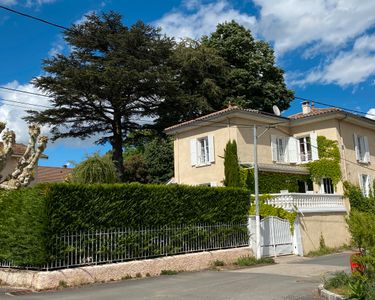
(201, 19)
(371, 114)
(8, 2)
(27, 3)
(348, 67)
(12, 113)
(328, 23)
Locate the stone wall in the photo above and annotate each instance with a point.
(42, 280)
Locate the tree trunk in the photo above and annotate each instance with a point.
(117, 150)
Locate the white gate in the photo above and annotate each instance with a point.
(276, 237)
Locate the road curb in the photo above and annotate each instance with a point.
(329, 295)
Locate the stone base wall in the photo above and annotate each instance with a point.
(332, 226)
(42, 280)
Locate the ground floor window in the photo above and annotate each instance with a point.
(326, 186)
(305, 186)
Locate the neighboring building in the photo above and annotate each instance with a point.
(52, 174)
(42, 174)
(199, 150)
(18, 151)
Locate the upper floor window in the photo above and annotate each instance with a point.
(365, 183)
(279, 148)
(294, 149)
(361, 148)
(202, 151)
(305, 149)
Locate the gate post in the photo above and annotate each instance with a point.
(297, 239)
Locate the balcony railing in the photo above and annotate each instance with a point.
(308, 202)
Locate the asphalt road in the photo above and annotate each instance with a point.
(292, 278)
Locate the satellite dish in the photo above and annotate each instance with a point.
(276, 110)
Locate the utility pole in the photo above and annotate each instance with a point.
(256, 191)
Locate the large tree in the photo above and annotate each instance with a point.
(253, 81)
(199, 73)
(113, 75)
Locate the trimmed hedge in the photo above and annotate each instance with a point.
(23, 223)
(31, 219)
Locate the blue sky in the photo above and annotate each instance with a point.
(326, 47)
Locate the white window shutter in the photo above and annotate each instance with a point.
(211, 149)
(361, 184)
(367, 153)
(193, 152)
(293, 149)
(356, 148)
(273, 148)
(371, 184)
(314, 146)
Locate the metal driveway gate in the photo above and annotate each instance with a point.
(276, 238)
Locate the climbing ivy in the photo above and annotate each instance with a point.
(328, 164)
(271, 182)
(266, 210)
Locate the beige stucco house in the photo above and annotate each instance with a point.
(284, 145)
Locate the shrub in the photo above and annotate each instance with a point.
(218, 263)
(338, 279)
(251, 260)
(95, 169)
(231, 167)
(168, 272)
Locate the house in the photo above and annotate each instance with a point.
(284, 145)
(17, 151)
(52, 174)
(41, 174)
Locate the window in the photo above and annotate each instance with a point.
(326, 186)
(305, 149)
(361, 148)
(365, 184)
(202, 151)
(279, 148)
(305, 186)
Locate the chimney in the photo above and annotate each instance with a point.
(306, 107)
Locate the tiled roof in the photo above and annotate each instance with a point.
(314, 112)
(19, 150)
(52, 174)
(216, 114)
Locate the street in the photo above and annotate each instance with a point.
(291, 278)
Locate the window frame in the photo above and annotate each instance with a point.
(323, 186)
(306, 145)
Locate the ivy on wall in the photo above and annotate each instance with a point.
(271, 182)
(266, 210)
(328, 164)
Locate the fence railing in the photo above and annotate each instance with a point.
(124, 244)
(308, 202)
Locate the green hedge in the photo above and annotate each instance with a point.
(23, 223)
(30, 219)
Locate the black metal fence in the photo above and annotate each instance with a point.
(125, 244)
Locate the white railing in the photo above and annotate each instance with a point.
(308, 202)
